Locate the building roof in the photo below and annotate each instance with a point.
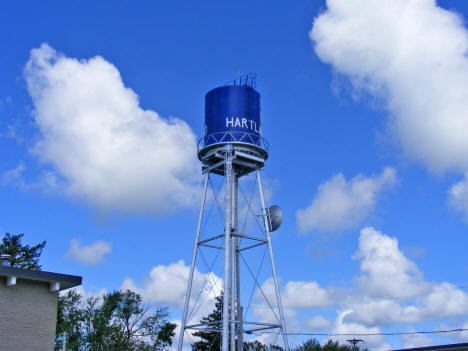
(449, 347)
(65, 281)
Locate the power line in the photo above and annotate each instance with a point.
(395, 298)
(371, 334)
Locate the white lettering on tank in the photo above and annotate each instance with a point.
(241, 122)
(244, 122)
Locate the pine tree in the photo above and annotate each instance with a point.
(22, 256)
(211, 340)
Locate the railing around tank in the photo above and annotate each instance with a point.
(232, 137)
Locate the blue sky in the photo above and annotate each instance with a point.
(365, 111)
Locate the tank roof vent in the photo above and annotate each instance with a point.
(245, 80)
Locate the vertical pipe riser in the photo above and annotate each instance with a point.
(227, 248)
(239, 315)
(233, 261)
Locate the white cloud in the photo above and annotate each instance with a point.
(102, 145)
(390, 289)
(374, 342)
(168, 284)
(302, 293)
(187, 346)
(89, 255)
(385, 271)
(14, 175)
(387, 274)
(458, 197)
(46, 181)
(340, 204)
(317, 323)
(86, 294)
(411, 56)
(416, 340)
(444, 300)
(460, 336)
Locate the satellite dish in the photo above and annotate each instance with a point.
(275, 217)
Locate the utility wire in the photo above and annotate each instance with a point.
(371, 334)
(363, 302)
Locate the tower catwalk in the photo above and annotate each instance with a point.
(233, 147)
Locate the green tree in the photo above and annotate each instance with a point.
(258, 346)
(211, 340)
(335, 346)
(117, 321)
(22, 256)
(69, 316)
(314, 345)
(309, 345)
(254, 346)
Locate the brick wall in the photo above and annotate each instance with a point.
(28, 313)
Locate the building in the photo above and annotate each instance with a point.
(450, 347)
(28, 307)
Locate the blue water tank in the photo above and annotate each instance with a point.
(232, 114)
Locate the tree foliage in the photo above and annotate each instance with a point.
(259, 346)
(211, 340)
(330, 345)
(117, 321)
(22, 256)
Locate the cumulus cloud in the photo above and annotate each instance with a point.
(416, 340)
(168, 284)
(374, 342)
(393, 289)
(460, 336)
(301, 293)
(89, 255)
(341, 204)
(46, 181)
(102, 146)
(390, 289)
(86, 294)
(458, 197)
(385, 271)
(187, 345)
(317, 323)
(14, 175)
(411, 56)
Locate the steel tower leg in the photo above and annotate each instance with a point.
(192, 266)
(234, 267)
(228, 172)
(232, 303)
(238, 311)
(273, 267)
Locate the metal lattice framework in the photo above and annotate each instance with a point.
(232, 155)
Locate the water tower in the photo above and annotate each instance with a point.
(233, 147)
